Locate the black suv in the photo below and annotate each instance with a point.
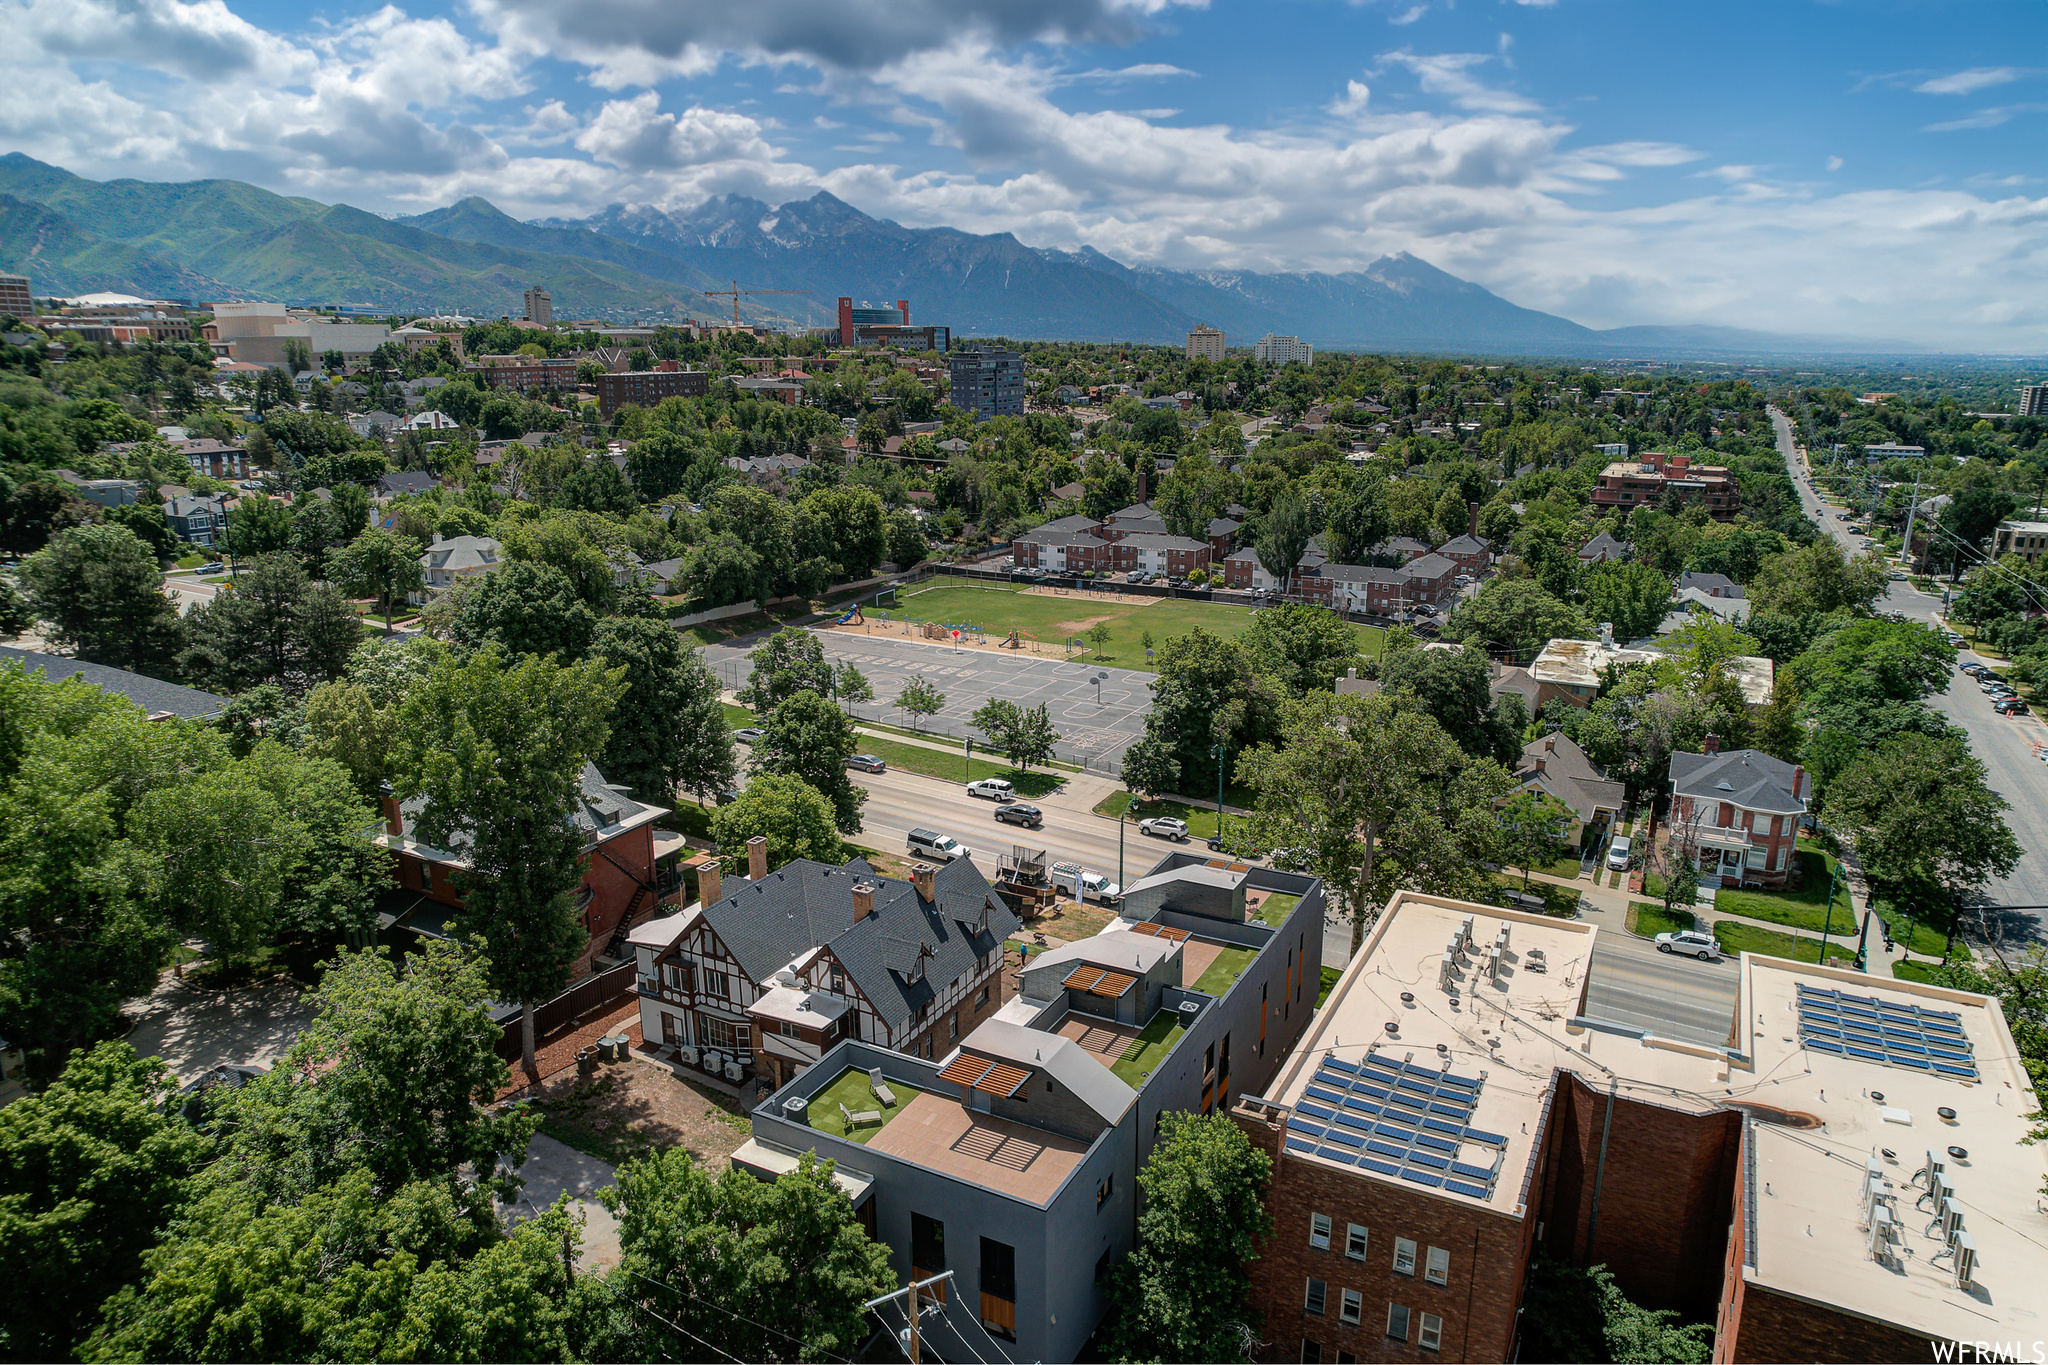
(1031, 817)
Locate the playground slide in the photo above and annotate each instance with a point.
(853, 617)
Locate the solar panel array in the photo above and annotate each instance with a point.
(1398, 1119)
(1886, 1031)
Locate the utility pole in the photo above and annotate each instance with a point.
(1827, 916)
(1912, 510)
(1218, 752)
(912, 1344)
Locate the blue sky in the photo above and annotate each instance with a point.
(1871, 169)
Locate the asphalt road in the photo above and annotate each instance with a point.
(1632, 983)
(1095, 724)
(2003, 743)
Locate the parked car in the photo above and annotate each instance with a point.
(1017, 813)
(726, 797)
(750, 734)
(1897, 575)
(1289, 859)
(1955, 641)
(1165, 827)
(867, 763)
(1617, 853)
(925, 843)
(992, 789)
(215, 567)
(1973, 667)
(1094, 886)
(1691, 942)
(2009, 706)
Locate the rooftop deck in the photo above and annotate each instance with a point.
(852, 1090)
(942, 1135)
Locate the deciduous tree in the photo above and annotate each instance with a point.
(788, 662)
(919, 699)
(810, 738)
(793, 816)
(380, 565)
(100, 592)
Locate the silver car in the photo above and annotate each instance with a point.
(1617, 853)
(1691, 942)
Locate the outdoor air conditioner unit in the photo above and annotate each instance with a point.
(687, 1055)
(733, 1072)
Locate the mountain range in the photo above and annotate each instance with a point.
(223, 239)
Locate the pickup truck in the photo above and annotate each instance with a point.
(1094, 886)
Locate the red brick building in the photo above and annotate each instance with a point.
(1628, 484)
(630, 867)
(1453, 1111)
(1740, 810)
(645, 388)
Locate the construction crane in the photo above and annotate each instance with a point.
(735, 293)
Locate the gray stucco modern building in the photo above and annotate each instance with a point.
(1011, 1159)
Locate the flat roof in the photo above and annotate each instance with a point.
(770, 1159)
(942, 1135)
(1804, 1070)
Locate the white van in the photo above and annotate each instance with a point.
(992, 789)
(1092, 886)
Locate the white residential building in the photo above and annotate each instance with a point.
(1277, 350)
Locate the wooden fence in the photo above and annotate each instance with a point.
(606, 990)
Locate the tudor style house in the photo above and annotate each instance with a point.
(767, 976)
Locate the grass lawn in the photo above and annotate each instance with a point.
(1747, 938)
(1330, 975)
(953, 742)
(915, 758)
(1149, 1049)
(1614, 879)
(1564, 865)
(1275, 909)
(1561, 902)
(1225, 970)
(1201, 818)
(1647, 921)
(689, 818)
(1052, 619)
(852, 1090)
(1914, 971)
(1802, 909)
(738, 717)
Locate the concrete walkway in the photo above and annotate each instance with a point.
(553, 1169)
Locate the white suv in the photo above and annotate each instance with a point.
(992, 789)
(1617, 853)
(1691, 942)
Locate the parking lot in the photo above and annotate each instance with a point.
(1096, 722)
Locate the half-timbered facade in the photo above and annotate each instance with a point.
(765, 976)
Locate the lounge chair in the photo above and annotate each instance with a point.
(865, 1116)
(881, 1089)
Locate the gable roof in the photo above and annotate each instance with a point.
(1431, 565)
(1746, 778)
(412, 481)
(1074, 523)
(153, 695)
(1603, 545)
(600, 812)
(1567, 774)
(805, 905)
(1711, 583)
(1063, 1059)
(1464, 545)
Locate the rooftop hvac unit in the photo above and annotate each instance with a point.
(1939, 1191)
(1493, 964)
(1966, 1259)
(1875, 1197)
(1930, 1170)
(1884, 1232)
(1949, 1220)
(1465, 930)
(1444, 972)
(1504, 936)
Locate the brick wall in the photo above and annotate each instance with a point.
(1663, 1219)
(1478, 1304)
(1768, 1326)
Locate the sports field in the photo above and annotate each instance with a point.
(1053, 619)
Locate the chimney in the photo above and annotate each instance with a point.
(922, 874)
(1798, 781)
(1550, 744)
(1539, 765)
(1141, 485)
(1710, 745)
(1472, 520)
(757, 858)
(863, 900)
(394, 821)
(710, 889)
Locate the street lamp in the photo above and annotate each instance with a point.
(1217, 753)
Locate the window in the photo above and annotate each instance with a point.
(1404, 1256)
(999, 1289)
(1431, 1337)
(1437, 1269)
(1312, 1302)
(1354, 1241)
(1345, 1357)
(1319, 1231)
(1104, 1188)
(982, 999)
(676, 975)
(1397, 1321)
(714, 1032)
(717, 983)
(953, 1027)
(927, 1246)
(1350, 1307)
(1311, 1350)
(790, 1030)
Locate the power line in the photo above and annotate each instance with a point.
(672, 1326)
(680, 1289)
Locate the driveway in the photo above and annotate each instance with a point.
(195, 1030)
(553, 1169)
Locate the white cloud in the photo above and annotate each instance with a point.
(1834, 163)
(1450, 74)
(1985, 118)
(1968, 82)
(1409, 16)
(635, 135)
(1352, 103)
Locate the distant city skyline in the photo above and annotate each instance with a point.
(1796, 167)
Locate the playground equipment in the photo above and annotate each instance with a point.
(853, 617)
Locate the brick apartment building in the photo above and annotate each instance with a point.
(645, 388)
(1842, 1180)
(525, 373)
(629, 866)
(1628, 484)
(1077, 543)
(1742, 810)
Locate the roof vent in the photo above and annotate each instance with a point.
(1959, 1153)
(1947, 1115)
(1393, 1027)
